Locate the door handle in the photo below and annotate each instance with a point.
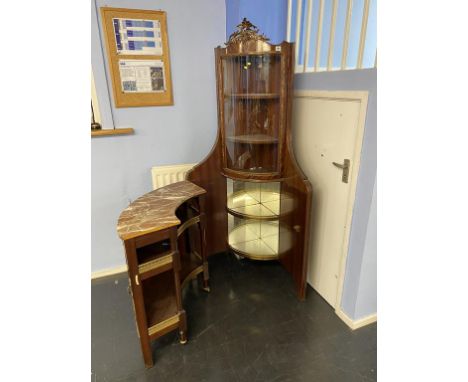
(345, 168)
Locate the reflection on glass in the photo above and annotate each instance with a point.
(258, 200)
(252, 74)
(258, 239)
(254, 211)
(251, 109)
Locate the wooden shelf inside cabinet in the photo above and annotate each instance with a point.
(153, 251)
(160, 299)
(161, 263)
(257, 211)
(253, 95)
(256, 139)
(254, 173)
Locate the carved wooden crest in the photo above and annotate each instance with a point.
(246, 31)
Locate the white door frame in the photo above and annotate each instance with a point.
(362, 97)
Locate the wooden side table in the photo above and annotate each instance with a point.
(163, 254)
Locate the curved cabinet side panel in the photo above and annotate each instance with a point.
(296, 239)
(296, 185)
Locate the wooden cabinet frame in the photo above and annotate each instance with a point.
(212, 172)
(163, 255)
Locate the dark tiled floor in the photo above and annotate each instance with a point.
(250, 328)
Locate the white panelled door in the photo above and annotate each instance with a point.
(327, 128)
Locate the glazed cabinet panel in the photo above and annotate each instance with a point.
(251, 109)
(259, 197)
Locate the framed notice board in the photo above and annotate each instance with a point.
(138, 55)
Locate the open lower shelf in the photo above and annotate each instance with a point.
(153, 251)
(259, 204)
(256, 139)
(260, 240)
(158, 265)
(160, 298)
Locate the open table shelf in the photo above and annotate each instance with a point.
(153, 251)
(156, 266)
(160, 299)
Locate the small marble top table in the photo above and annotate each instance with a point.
(162, 256)
(155, 210)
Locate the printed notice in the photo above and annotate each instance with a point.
(142, 76)
(137, 37)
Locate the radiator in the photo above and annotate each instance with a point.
(164, 175)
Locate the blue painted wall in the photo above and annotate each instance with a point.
(268, 15)
(183, 133)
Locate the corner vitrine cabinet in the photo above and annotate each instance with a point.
(258, 199)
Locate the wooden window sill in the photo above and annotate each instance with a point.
(105, 132)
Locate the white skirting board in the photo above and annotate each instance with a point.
(353, 324)
(109, 272)
(356, 324)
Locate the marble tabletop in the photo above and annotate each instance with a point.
(155, 210)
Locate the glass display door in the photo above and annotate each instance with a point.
(251, 92)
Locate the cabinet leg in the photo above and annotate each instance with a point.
(183, 337)
(203, 283)
(206, 286)
(183, 328)
(147, 354)
(201, 227)
(206, 277)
